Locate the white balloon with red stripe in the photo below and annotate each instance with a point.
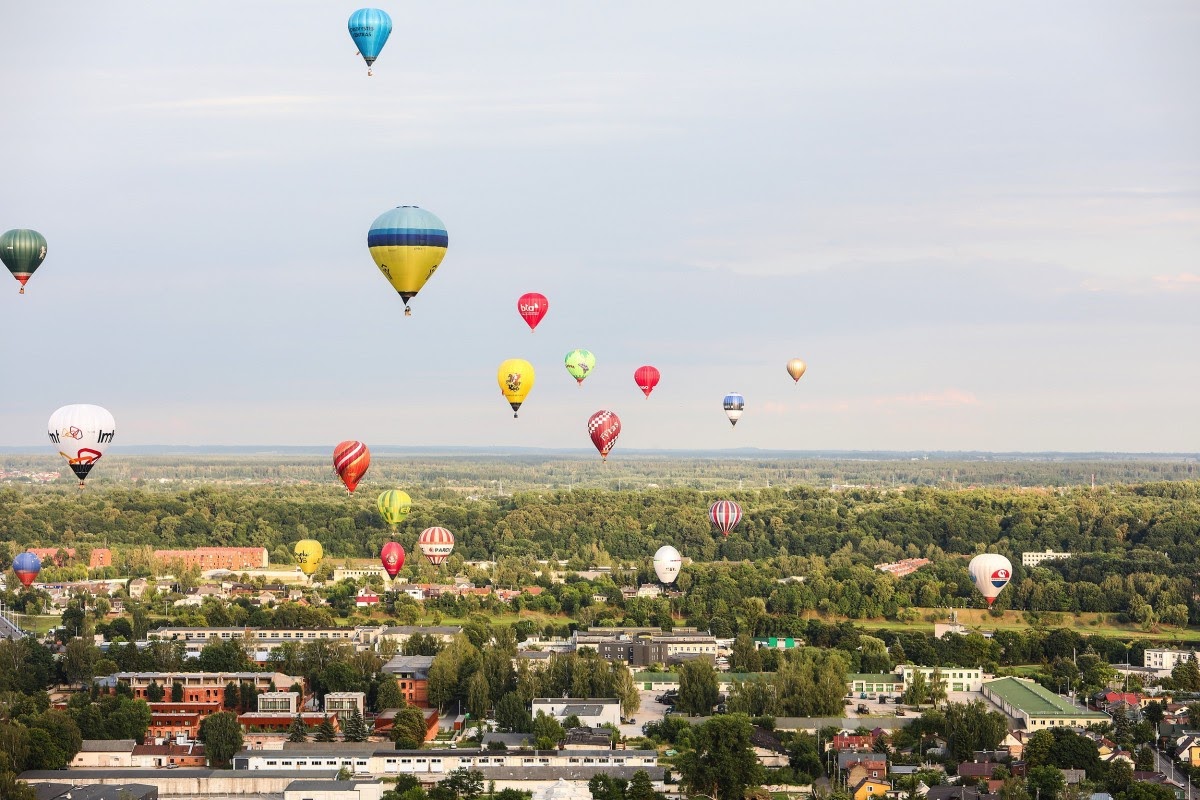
(991, 573)
(725, 514)
(436, 544)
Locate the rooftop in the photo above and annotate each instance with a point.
(1036, 700)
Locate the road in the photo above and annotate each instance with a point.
(1168, 766)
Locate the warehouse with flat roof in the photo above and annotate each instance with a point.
(1036, 706)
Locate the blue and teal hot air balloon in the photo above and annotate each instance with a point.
(370, 28)
(408, 244)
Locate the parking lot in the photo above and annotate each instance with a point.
(650, 711)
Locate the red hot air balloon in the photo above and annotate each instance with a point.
(392, 556)
(436, 544)
(725, 514)
(604, 428)
(646, 378)
(532, 307)
(350, 462)
(27, 566)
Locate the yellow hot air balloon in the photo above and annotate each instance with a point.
(796, 368)
(408, 244)
(515, 377)
(308, 555)
(393, 506)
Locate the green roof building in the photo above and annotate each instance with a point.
(1037, 707)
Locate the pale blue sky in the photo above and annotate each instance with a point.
(979, 223)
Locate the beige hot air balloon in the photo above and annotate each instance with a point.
(796, 368)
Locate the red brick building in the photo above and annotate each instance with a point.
(170, 720)
(206, 558)
(100, 556)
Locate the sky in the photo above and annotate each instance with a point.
(978, 223)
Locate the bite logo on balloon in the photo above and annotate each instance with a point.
(1000, 578)
(513, 381)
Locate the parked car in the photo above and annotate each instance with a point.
(900, 712)
(862, 708)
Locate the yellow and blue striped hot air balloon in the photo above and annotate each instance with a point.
(408, 244)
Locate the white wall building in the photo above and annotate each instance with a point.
(1033, 559)
(591, 711)
(1163, 661)
(956, 679)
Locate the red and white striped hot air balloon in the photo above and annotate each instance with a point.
(350, 462)
(436, 544)
(725, 514)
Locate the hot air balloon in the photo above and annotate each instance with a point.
(646, 378)
(580, 364)
(532, 307)
(796, 368)
(604, 427)
(22, 251)
(350, 461)
(408, 244)
(667, 563)
(991, 573)
(369, 28)
(27, 566)
(436, 544)
(308, 555)
(725, 514)
(393, 506)
(392, 556)
(81, 434)
(734, 403)
(515, 377)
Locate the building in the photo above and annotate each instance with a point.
(199, 687)
(280, 721)
(412, 675)
(955, 679)
(592, 712)
(366, 598)
(874, 683)
(208, 558)
(402, 633)
(903, 567)
(308, 789)
(104, 753)
(261, 642)
(1163, 661)
(1036, 707)
(1033, 559)
(358, 573)
(152, 756)
(278, 702)
(777, 643)
(645, 646)
(170, 721)
(869, 788)
(117, 791)
(344, 704)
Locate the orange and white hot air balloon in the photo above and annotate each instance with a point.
(350, 462)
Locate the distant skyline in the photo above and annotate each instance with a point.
(978, 223)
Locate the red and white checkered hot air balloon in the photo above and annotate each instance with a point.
(991, 573)
(436, 544)
(604, 427)
(725, 514)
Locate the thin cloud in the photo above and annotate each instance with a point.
(1183, 282)
(948, 398)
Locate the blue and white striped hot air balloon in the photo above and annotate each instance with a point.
(370, 29)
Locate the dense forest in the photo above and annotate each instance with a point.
(1136, 545)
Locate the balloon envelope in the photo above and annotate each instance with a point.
(22, 251)
(604, 427)
(725, 514)
(370, 29)
(646, 378)
(81, 433)
(393, 506)
(991, 573)
(667, 563)
(392, 556)
(580, 364)
(27, 566)
(436, 544)
(515, 377)
(407, 244)
(308, 554)
(796, 368)
(733, 403)
(350, 461)
(532, 306)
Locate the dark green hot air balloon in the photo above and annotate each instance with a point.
(22, 251)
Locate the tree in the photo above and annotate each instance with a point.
(917, 691)
(972, 726)
(722, 763)
(222, 737)
(465, 784)
(640, 787)
(232, 696)
(1144, 790)
(512, 715)
(176, 692)
(355, 729)
(603, 787)
(1145, 759)
(155, 693)
(389, 694)
(1185, 676)
(1120, 775)
(408, 730)
(1046, 783)
(297, 731)
(325, 731)
(478, 695)
(937, 687)
(547, 731)
(698, 689)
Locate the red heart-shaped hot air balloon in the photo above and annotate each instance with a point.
(532, 307)
(646, 378)
(392, 556)
(350, 462)
(604, 427)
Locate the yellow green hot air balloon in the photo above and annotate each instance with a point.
(515, 377)
(580, 364)
(308, 554)
(393, 506)
(408, 244)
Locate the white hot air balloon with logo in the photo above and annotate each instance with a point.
(80, 434)
(667, 563)
(991, 573)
